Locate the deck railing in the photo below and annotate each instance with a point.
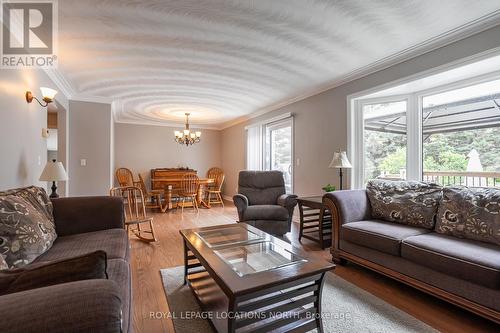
(465, 178)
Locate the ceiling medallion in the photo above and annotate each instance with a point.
(186, 137)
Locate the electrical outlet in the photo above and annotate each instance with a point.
(83, 162)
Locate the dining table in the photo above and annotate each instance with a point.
(171, 186)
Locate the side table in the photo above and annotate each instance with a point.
(315, 221)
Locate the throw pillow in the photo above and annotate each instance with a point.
(36, 196)
(25, 232)
(472, 213)
(406, 202)
(3, 263)
(44, 274)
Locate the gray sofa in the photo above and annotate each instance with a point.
(263, 203)
(83, 225)
(424, 244)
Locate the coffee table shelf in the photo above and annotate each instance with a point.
(283, 298)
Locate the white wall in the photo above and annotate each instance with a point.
(321, 120)
(141, 148)
(23, 150)
(90, 138)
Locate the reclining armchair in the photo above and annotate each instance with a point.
(263, 203)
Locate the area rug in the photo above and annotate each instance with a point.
(349, 308)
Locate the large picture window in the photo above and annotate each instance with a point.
(449, 135)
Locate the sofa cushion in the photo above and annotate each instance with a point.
(112, 241)
(265, 212)
(472, 213)
(469, 260)
(119, 272)
(25, 231)
(44, 274)
(379, 235)
(36, 196)
(405, 202)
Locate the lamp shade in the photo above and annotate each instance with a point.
(340, 160)
(48, 93)
(53, 171)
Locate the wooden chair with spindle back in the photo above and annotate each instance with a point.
(125, 177)
(153, 197)
(189, 190)
(215, 189)
(135, 212)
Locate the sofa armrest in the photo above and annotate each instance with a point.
(289, 201)
(82, 306)
(85, 214)
(241, 203)
(350, 205)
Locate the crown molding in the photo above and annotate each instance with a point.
(92, 99)
(164, 124)
(60, 81)
(466, 30)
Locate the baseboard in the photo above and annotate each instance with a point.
(227, 198)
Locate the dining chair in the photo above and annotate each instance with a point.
(215, 189)
(153, 197)
(125, 177)
(189, 190)
(135, 212)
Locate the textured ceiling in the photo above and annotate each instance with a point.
(222, 60)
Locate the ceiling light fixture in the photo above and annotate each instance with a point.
(186, 137)
(47, 96)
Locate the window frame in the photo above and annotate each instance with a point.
(414, 156)
(262, 125)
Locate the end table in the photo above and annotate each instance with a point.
(315, 220)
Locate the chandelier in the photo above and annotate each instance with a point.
(186, 137)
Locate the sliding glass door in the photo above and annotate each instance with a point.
(278, 149)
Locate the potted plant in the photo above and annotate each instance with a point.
(329, 188)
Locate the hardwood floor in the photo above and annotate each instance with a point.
(149, 297)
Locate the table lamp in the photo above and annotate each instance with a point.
(340, 161)
(53, 171)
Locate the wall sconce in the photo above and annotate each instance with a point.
(47, 96)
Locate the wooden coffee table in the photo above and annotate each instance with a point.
(247, 280)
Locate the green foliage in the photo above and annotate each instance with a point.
(446, 161)
(329, 188)
(386, 152)
(394, 162)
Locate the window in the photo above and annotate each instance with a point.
(384, 140)
(270, 147)
(449, 135)
(461, 136)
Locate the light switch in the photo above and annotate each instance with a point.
(298, 161)
(39, 160)
(83, 162)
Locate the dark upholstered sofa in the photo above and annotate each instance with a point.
(453, 254)
(83, 225)
(263, 203)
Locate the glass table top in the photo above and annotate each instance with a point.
(257, 257)
(227, 235)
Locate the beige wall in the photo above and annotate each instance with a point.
(90, 138)
(23, 151)
(143, 147)
(321, 120)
